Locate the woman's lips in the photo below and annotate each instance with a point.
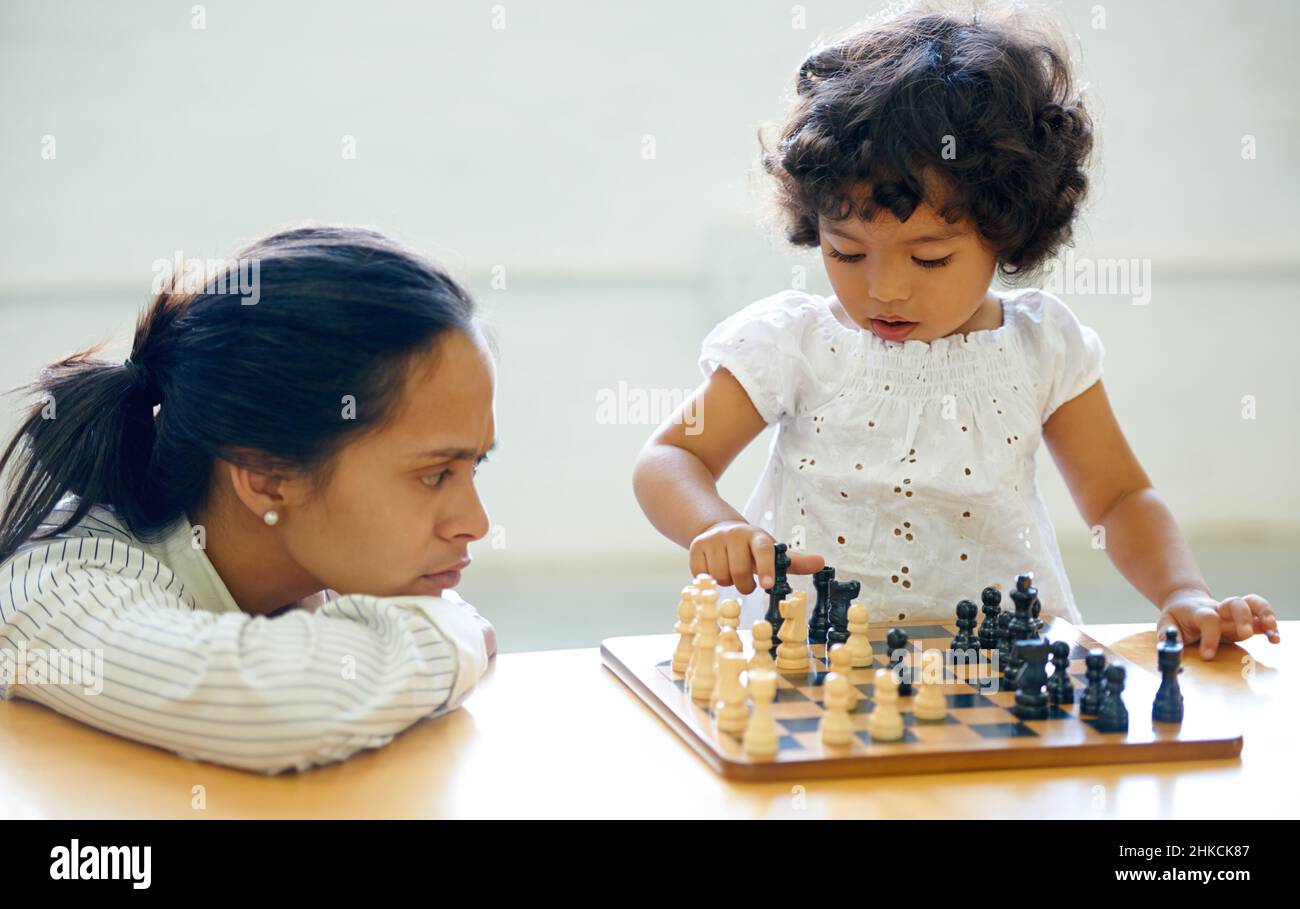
(892, 331)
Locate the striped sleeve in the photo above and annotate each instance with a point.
(124, 652)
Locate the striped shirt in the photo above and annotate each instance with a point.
(165, 656)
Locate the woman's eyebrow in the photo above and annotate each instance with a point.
(455, 454)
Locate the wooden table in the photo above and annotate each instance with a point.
(555, 734)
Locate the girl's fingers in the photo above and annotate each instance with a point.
(1265, 619)
(699, 564)
(764, 552)
(716, 559)
(740, 563)
(1237, 617)
(1207, 620)
(806, 563)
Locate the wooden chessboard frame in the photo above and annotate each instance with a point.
(968, 739)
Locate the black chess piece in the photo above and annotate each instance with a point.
(1168, 705)
(1060, 687)
(1031, 700)
(1095, 665)
(1113, 715)
(818, 622)
(965, 639)
(896, 642)
(1004, 643)
(992, 598)
(1034, 610)
(779, 590)
(842, 594)
(1021, 626)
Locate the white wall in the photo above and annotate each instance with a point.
(522, 148)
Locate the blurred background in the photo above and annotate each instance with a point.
(588, 170)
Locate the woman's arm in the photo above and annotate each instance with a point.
(1139, 533)
(250, 692)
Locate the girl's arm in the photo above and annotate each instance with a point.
(675, 481)
(250, 692)
(1141, 537)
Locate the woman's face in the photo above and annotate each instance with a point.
(400, 509)
(925, 271)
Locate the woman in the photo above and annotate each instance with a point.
(184, 519)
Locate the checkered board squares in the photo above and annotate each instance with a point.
(979, 733)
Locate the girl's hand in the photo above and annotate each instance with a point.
(733, 552)
(1200, 617)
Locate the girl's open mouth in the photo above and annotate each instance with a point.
(892, 331)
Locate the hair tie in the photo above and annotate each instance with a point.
(148, 385)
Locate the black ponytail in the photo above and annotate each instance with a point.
(339, 311)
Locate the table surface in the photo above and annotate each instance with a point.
(555, 734)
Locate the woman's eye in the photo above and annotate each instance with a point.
(437, 479)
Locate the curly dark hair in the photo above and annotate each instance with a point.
(974, 114)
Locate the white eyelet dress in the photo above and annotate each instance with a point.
(908, 465)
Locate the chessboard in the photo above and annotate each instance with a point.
(979, 732)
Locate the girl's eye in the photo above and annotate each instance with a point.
(932, 263)
(836, 254)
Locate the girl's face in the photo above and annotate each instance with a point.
(928, 273)
(400, 509)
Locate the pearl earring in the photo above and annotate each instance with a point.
(271, 518)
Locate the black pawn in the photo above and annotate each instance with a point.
(1031, 700)
(1168, 705)
(1113, 715)
(818, 622)
(779, 591)
(1004, 647)
(842, 595)
(992, 598)
(1060, 689)
(896, 642)
(1095, 664)
(965, 638)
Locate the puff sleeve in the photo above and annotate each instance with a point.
(1069, 353)
(762, 345)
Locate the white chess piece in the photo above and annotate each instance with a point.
(793, 654)
(686, 628)
(859, 644)
(704, 679)
(842, 664)
(930, 703)
(762, 737)
(836, 726)
(885, 723)
(729, 620)
(762, 658)
(732, 712)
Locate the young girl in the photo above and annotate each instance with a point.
(922, 153)
(187, 516)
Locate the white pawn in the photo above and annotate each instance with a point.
(762, 737)
(930, 704)
(859, 644)
(793, 654)
(762, 658)
(885, 723)
(836, 727)
(704, 679)
(841, 665)
(729, 618)
(732, 712)
(686, 628)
